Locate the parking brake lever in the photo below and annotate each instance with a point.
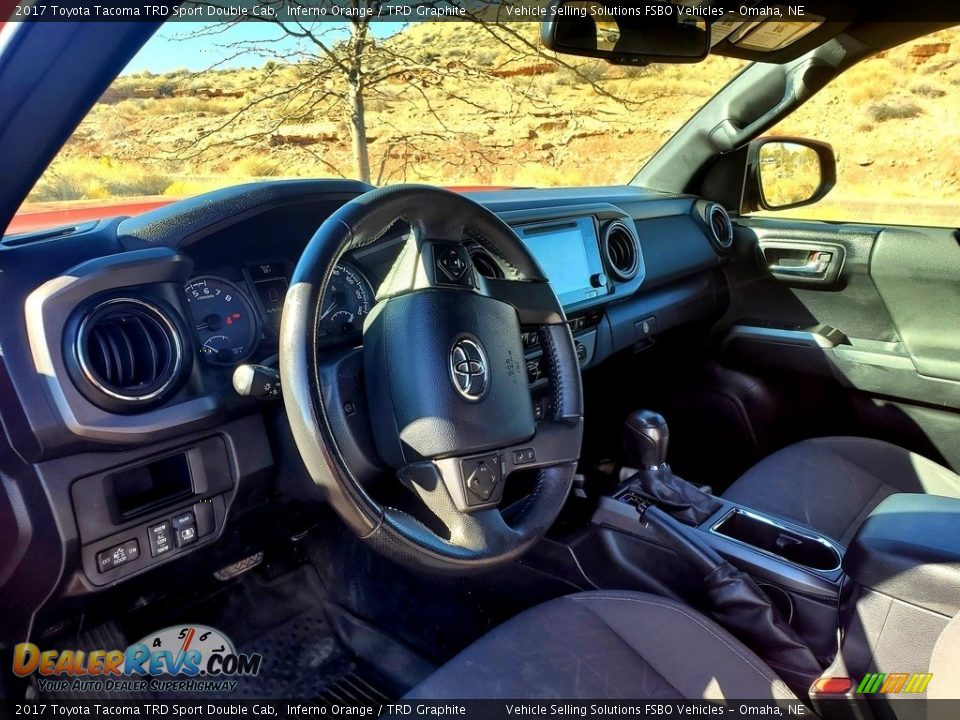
(737, 602)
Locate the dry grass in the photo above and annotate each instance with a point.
(79, 179)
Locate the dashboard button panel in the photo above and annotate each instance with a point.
(160, 538)
(118, 555)
(184, 529)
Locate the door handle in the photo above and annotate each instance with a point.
(814, 264)
(801, 261)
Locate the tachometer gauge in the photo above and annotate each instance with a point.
(224, 318)
(346, 304)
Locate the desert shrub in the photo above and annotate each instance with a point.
(546, 83)
(484, 57)
(192, 106)
(254, 166)
(593, 71)
(135, 181)
(92, 179)
(566, 78)
(881, 112)
(870, 82)
(930, 91)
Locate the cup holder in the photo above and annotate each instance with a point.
(770, 537)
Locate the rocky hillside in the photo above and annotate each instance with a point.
(459, 106)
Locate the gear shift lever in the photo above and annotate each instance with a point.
(645, 438)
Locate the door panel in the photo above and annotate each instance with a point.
(917, 273)
(870, 347)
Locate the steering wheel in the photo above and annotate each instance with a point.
(445, 382)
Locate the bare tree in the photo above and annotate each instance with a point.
(341, 68)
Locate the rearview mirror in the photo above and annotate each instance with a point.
(789, 172)
(626, 33)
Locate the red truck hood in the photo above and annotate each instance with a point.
(53, 214)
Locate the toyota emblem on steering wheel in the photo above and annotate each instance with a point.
(469, 368)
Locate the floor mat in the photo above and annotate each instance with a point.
(282, 620)
(281, 617)
(301, 659)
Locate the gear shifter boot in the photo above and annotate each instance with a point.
(675, 496)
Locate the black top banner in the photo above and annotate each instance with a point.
(310, 11)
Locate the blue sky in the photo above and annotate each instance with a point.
(176, 44)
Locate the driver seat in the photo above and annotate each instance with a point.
(605, 645)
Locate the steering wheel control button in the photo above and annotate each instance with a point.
(482, 478)
(161, 539)
(118, 555)
(469, 368)
(452, 264)
(184, 529)
(524, 456)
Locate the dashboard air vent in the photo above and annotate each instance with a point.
(621, 251)
(485, 264)
(721, 229)
(129, 352)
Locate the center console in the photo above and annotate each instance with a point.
(879, 605)
(799, 570)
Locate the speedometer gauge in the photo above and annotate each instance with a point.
(224, 319)
(346, 304)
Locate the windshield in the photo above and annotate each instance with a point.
(456, 104)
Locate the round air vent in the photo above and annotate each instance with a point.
(485, 264)
(621, 251)
(128, 353)
(721, 229)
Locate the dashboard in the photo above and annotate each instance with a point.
(118, 391)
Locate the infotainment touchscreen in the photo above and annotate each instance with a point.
(569, 255)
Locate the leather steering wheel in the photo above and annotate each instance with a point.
(445, 379)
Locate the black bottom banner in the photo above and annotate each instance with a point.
(483, 709)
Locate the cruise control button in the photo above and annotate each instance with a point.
(524, 456)
(161, 539)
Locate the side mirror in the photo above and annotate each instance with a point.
(625, 33)
(788, 172)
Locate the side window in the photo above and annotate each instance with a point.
(894, 126)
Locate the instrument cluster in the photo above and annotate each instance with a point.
(234, 318)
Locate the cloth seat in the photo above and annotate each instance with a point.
(832, 484)
(605, 645)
